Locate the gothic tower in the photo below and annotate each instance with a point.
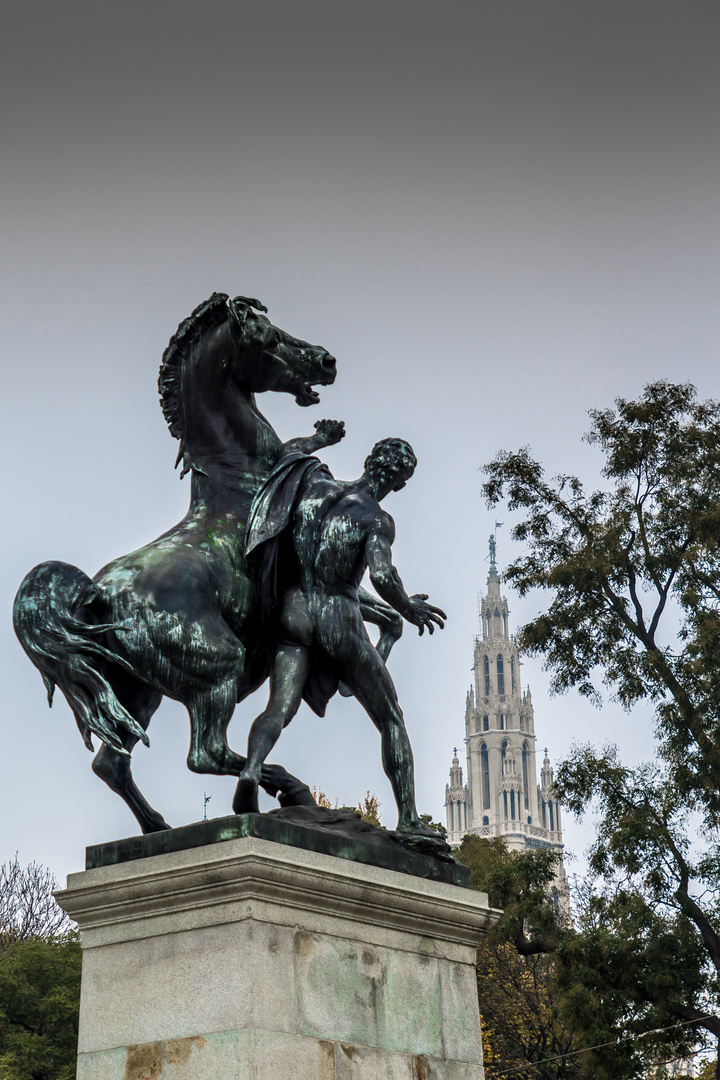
(502, 796)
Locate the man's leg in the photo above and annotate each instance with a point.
(290, 670)
(341, 631)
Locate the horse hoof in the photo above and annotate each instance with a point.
(296, 797)
(160, 826)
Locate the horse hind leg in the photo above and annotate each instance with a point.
(210, 714)
(114, 768)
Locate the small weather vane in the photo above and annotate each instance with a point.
(206, 800)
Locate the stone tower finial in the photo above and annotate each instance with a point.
(456, 801)
(546, 774)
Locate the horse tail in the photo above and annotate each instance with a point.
(64, 646)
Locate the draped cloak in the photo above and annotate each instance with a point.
(273, 564)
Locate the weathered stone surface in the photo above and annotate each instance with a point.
(250, 960)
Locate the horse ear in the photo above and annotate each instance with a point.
(237, 316)
(238, 311)
(249, 302)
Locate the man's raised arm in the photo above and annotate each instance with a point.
(327, 433)
(386, 581)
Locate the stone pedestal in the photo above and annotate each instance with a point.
(252, 960)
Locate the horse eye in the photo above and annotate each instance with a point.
(274, 340)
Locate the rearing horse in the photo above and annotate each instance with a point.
(179, 617)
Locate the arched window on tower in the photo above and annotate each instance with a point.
(512, 805)
(486, 675)
(500, 674)
(487, 624)
(544, 814)
(485, 776)
(526, 788)
(504, 618)
(512, 674)
(486, 723)
(552, 816)
(502, 721)
(505, 804)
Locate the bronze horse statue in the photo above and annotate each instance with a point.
(179, 617)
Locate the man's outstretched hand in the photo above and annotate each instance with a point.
(425, 614)
(330, 431)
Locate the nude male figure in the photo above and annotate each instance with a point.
(338, 530)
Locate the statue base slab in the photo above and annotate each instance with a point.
(252, 960)
(342, 833)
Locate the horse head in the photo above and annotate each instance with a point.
(267, 358)
(221, 355)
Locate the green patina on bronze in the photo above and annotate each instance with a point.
(261, 577)
(179, 616)
(342, 833)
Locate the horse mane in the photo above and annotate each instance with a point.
(206, 316)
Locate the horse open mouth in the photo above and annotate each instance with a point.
(307, 396)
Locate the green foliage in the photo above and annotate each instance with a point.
(633, 573)
(517, 992)
(518, 883)
(369, 809)
(39, 1004)
(615, 560)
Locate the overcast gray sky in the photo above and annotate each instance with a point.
(496, 215)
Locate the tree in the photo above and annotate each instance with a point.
(524, 1033)
(27, 905)
(39, 1008)
(633, 570)
(369, 809)
(39, 978)
(518, 883)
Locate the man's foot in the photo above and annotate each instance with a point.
(416, 827)
(420, 838)
(246, 796)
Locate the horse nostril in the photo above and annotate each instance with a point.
(328, 362)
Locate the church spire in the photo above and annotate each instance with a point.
(500, 795)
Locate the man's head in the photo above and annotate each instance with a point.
(391, 463)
